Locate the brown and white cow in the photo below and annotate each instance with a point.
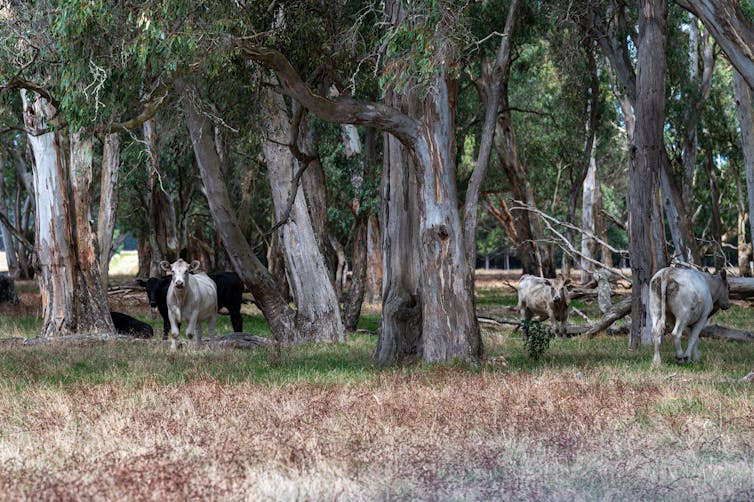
(192, 298)
(546, 299)
(684, 298)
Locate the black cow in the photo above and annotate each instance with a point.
(127, 325)
(229, 295)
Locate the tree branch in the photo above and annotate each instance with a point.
(340, 110)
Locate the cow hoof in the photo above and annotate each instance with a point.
(681, 359)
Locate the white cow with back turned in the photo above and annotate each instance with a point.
(684, 298)
(192, 298)
(546, 299)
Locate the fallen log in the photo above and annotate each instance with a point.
(741, 288)
(724, 333)
(618, 311)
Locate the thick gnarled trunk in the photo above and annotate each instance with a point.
(73, 299)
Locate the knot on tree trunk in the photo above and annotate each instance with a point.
(443, 232)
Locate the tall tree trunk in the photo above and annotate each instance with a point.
(448, 310)
(108, 205)
(745, 109)
(318, 313)
(498, 76)
(717, 231)
(315, 190)
(73, 299)
(589, 210)
(355, 297)
(401, 321)
(646, 159)
(744, 248)
(275, 308)
(163, 237)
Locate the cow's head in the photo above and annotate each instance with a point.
(559, 290)
(151, 285)
(180, 270)
(722, 296)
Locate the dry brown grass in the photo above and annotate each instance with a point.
(446, 433)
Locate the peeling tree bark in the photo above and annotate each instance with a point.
(646, 161)
(73, 299)
(108, 203)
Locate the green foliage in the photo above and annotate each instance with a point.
(537, 339)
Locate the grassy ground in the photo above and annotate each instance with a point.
(591, 420)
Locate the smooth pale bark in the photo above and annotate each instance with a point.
(318, 312)
(163, 237)
(646, 161)
(275, 308)
(73, 299)
(588, 206)
(108, 205)
(498, 74)
(732, 29)
(745, 110)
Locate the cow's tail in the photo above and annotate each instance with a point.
(658, 325)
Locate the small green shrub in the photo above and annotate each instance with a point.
(536, 338)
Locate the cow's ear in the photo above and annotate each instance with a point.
(165, 265)
(195, 265)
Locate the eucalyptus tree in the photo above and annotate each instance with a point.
(67, 98)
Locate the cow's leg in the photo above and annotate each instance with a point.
(235, 318)
(693, 346)
(193, 328)
(680, 358)
(174, 331)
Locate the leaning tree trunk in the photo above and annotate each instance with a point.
(646, 159)
(275, 308)
(318, 312)
(73, 299)
(108, 204)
